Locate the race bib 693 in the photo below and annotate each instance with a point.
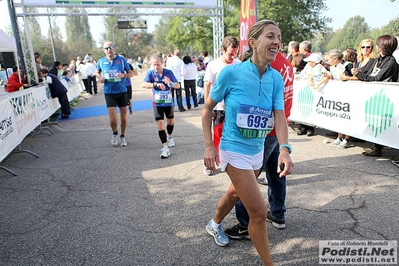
(253, 121)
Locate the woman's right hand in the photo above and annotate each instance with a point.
(211, 158)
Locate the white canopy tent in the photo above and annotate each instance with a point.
(7, 44)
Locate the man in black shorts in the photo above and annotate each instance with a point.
(112, 70)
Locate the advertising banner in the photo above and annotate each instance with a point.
(248, 17)
(23, 105)
(9, 138)
(365, 110)
(44, 103)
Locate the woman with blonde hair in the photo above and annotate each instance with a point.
(365, 56)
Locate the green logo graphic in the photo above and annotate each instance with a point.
(378, 112)
(305, 100)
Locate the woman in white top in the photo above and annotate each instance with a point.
(189, 81)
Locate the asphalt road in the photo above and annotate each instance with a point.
(85, 202)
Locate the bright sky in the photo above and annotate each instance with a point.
(377, 14)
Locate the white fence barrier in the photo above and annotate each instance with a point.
(365, 110)
(22, 111)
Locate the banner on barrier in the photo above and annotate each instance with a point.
(368, 111)
(45, 105)
(23, 105)
(9, 138)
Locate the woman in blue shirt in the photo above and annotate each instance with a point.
(254, 102)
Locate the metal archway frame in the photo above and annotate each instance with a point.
(42, 10)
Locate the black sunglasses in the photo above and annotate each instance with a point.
(368, 47)
(109, 48)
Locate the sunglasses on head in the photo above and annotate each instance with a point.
(367, 47)
(109, 48)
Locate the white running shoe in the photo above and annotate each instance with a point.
(114, 140)
(171, 142)
(344, 144)
(165, 153)
(123, 142)
(336, 142)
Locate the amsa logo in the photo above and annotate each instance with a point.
(379, 110)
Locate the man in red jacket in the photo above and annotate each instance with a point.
(13, 83)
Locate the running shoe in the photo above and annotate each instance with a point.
(237, 232)
(275, 223)
(171, 142)
(114, 140)
(165, 153)
(336, 142)
(220, 238)
(344, 144)
(122, 141)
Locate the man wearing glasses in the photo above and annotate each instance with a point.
(112, 70)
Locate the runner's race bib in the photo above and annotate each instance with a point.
(110, 77)
(163, 97)
(254, 122)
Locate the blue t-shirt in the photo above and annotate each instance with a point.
(162, 98)
(249, 101)
(112, 84)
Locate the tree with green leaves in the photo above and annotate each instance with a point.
(354, 30)
(78, 36)
(297, 20)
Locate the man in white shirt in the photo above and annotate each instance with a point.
(90, 71)
(175, 64)
(230, 46)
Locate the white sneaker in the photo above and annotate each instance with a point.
(336, 142)
(165, 153)
(207, 171)
(114, 140)
(122, 141)
(344, 144)
(171, 142)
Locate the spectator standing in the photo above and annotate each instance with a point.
(83, 74)
(161, 81)
(305, 49)
(365, 56)
(340, 70)
(189, 81)
(112, 70)
(90, 71)
(175, 64)
(207, 58)
(88, 58)
(55, 69)
(293, 50)
(396, 52)
(57, 90)
(13, 83)
(38, 61)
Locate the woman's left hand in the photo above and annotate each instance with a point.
(285, 164)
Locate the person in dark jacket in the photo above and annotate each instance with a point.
(57, 90)
(54, 68)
